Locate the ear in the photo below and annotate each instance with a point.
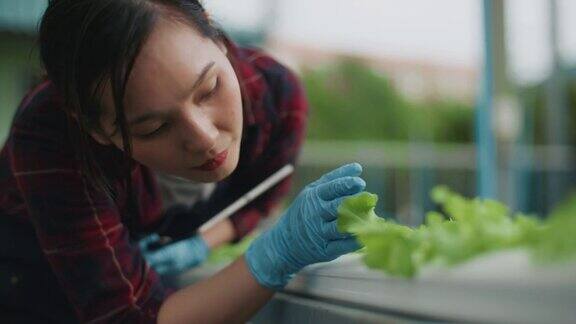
(100, 137)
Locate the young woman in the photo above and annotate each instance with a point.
(136, 87)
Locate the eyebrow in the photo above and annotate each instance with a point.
(151, 115)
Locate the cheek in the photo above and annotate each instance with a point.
(232, 104)
(155, 156)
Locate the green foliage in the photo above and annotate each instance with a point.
(557, 240)
(534, 100)
(387, 245)
(229, 252)
(446, 121)
(350, 101)
(470, 227)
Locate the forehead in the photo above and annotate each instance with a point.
(167, 65)
(171, 45)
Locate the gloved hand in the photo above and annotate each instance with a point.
(176, 257)
(306, 233)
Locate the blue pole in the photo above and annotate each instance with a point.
(487, 166)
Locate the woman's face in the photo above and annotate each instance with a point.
(182, 105)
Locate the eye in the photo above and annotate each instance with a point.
(155, 132)
(212, 91)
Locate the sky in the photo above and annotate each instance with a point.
(447, 32)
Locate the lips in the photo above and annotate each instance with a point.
(214, 163)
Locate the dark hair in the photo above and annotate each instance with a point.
(83, 43)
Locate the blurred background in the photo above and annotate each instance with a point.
(479, 95)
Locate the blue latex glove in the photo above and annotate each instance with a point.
(306, 233)
(177, 257)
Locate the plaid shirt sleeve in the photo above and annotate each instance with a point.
(281, 114)
(79, 230)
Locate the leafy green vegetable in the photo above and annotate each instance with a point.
(387, 245)
(556, 241)
(471, 227)
(230, 252)
(356, 212)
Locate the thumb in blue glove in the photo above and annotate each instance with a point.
(177, 257)
(307, 232)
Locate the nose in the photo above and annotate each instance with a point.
(199, 132)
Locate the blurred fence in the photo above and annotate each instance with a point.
(403, 173)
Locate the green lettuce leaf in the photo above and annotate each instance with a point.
(230, 252)
(469, 228)
(556, 241)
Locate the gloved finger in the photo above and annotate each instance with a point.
(347, 170)
(156, 258)
(163, 265)
(330, 231)
(163, 270)
(154, 263)
(335, 204)
(340, 187)
(331, 208)
(338, 247)
(146, 241)
(152, 258)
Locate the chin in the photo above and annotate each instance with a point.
(220, 174)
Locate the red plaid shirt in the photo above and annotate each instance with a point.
(81, 233)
